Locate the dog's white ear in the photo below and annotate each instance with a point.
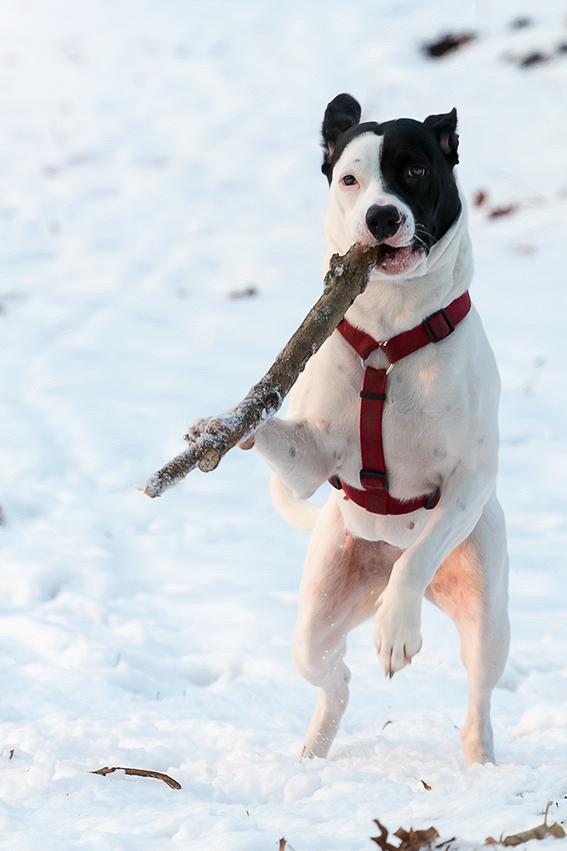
(342, 113)
(444, 128)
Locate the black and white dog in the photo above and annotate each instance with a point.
(414, 512)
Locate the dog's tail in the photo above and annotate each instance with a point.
(296, 511)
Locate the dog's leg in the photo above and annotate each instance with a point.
(341, 583)
(471, 586)
(301, 454)
(397, 633)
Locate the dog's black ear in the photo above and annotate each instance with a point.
(445, 127)
(342, 113)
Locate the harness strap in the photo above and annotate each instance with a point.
(433, 329)
(373, 477)
(372, 397)
(380, 502)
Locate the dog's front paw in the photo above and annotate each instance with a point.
(397, 632)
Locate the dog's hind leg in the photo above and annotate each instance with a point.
(342, 581)
(471, 586)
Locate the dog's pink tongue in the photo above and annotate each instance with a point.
(398, 261)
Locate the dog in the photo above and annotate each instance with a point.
(413, 457)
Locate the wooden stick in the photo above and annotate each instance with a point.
(346, 279)
(141, 772)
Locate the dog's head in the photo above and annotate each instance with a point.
(391, 184)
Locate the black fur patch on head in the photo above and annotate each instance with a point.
(342, 113)
(340, 126)
(444, 127)
(432, 197)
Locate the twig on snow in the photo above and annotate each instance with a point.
(212, 438)
(141, 772)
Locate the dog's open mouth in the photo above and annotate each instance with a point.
(397, 261)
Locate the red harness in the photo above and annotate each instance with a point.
(375, 497)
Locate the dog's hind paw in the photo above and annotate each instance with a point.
(397, 631)
(315, 746)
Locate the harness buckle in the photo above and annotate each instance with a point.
(373, 480)
(437, 331)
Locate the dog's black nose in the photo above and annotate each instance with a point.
(383, 222)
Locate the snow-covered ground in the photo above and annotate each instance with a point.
(156, 156)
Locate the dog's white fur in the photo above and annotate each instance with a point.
(439, 430)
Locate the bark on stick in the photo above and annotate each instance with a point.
(345, 280)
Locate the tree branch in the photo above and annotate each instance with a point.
(140, 772)
(346, 279)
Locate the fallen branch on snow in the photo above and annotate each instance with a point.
(141, 772)
(210, 439)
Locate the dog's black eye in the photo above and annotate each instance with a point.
(417, 171)
(349, 180)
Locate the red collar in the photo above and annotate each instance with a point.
(433, 329)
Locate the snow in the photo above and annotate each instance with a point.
(155, 157)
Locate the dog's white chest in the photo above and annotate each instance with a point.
(432, 417)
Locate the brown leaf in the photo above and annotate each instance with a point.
(480, 198)
(525, 248)
(245, 292)
(447, 44)
(520, 23)
(498, 212)
(539, 832)
(283, 843)
(412, 840)
(426, 786)
(382, 840)
(535, 58)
